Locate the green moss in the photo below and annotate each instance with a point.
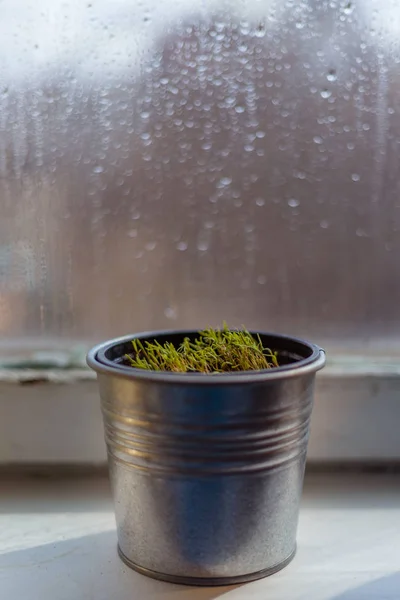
(213, 351)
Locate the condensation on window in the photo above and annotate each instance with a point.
(176, 164)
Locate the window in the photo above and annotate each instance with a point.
(168, 166)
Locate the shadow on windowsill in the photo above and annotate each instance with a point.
(85, 568)
(385, 588)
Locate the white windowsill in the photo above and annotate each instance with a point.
(57, 540)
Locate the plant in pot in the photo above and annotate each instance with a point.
(207, 437)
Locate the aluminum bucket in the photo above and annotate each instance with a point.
(207, 470)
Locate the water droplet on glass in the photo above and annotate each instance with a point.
(202, 245)
(98, 169)
(260, 30)
(239, 109)
(170, 312)
(182, 246)
(150, 246)
(348, 8)
(332, 75)
(355, 177)
(293, 203)
(326, 93)
(261, 279)
(324, 224)
(260, 201)
(224, 181)
(317, 139)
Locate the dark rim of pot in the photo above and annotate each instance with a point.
(300, 357)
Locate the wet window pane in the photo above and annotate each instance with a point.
(174, 164)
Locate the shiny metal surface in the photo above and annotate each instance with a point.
(207, 477)
(180, 163)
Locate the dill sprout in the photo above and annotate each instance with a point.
(212, 351)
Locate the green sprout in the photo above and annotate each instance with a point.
(213, 351)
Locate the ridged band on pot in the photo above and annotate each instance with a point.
(207, 470)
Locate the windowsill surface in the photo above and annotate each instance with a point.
(355, 419)
(57, 540)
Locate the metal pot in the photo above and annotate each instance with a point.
(207, 470)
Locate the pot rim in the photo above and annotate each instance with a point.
(97, 360)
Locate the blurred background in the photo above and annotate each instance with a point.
(177, 163)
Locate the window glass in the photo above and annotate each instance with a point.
(174, 164)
